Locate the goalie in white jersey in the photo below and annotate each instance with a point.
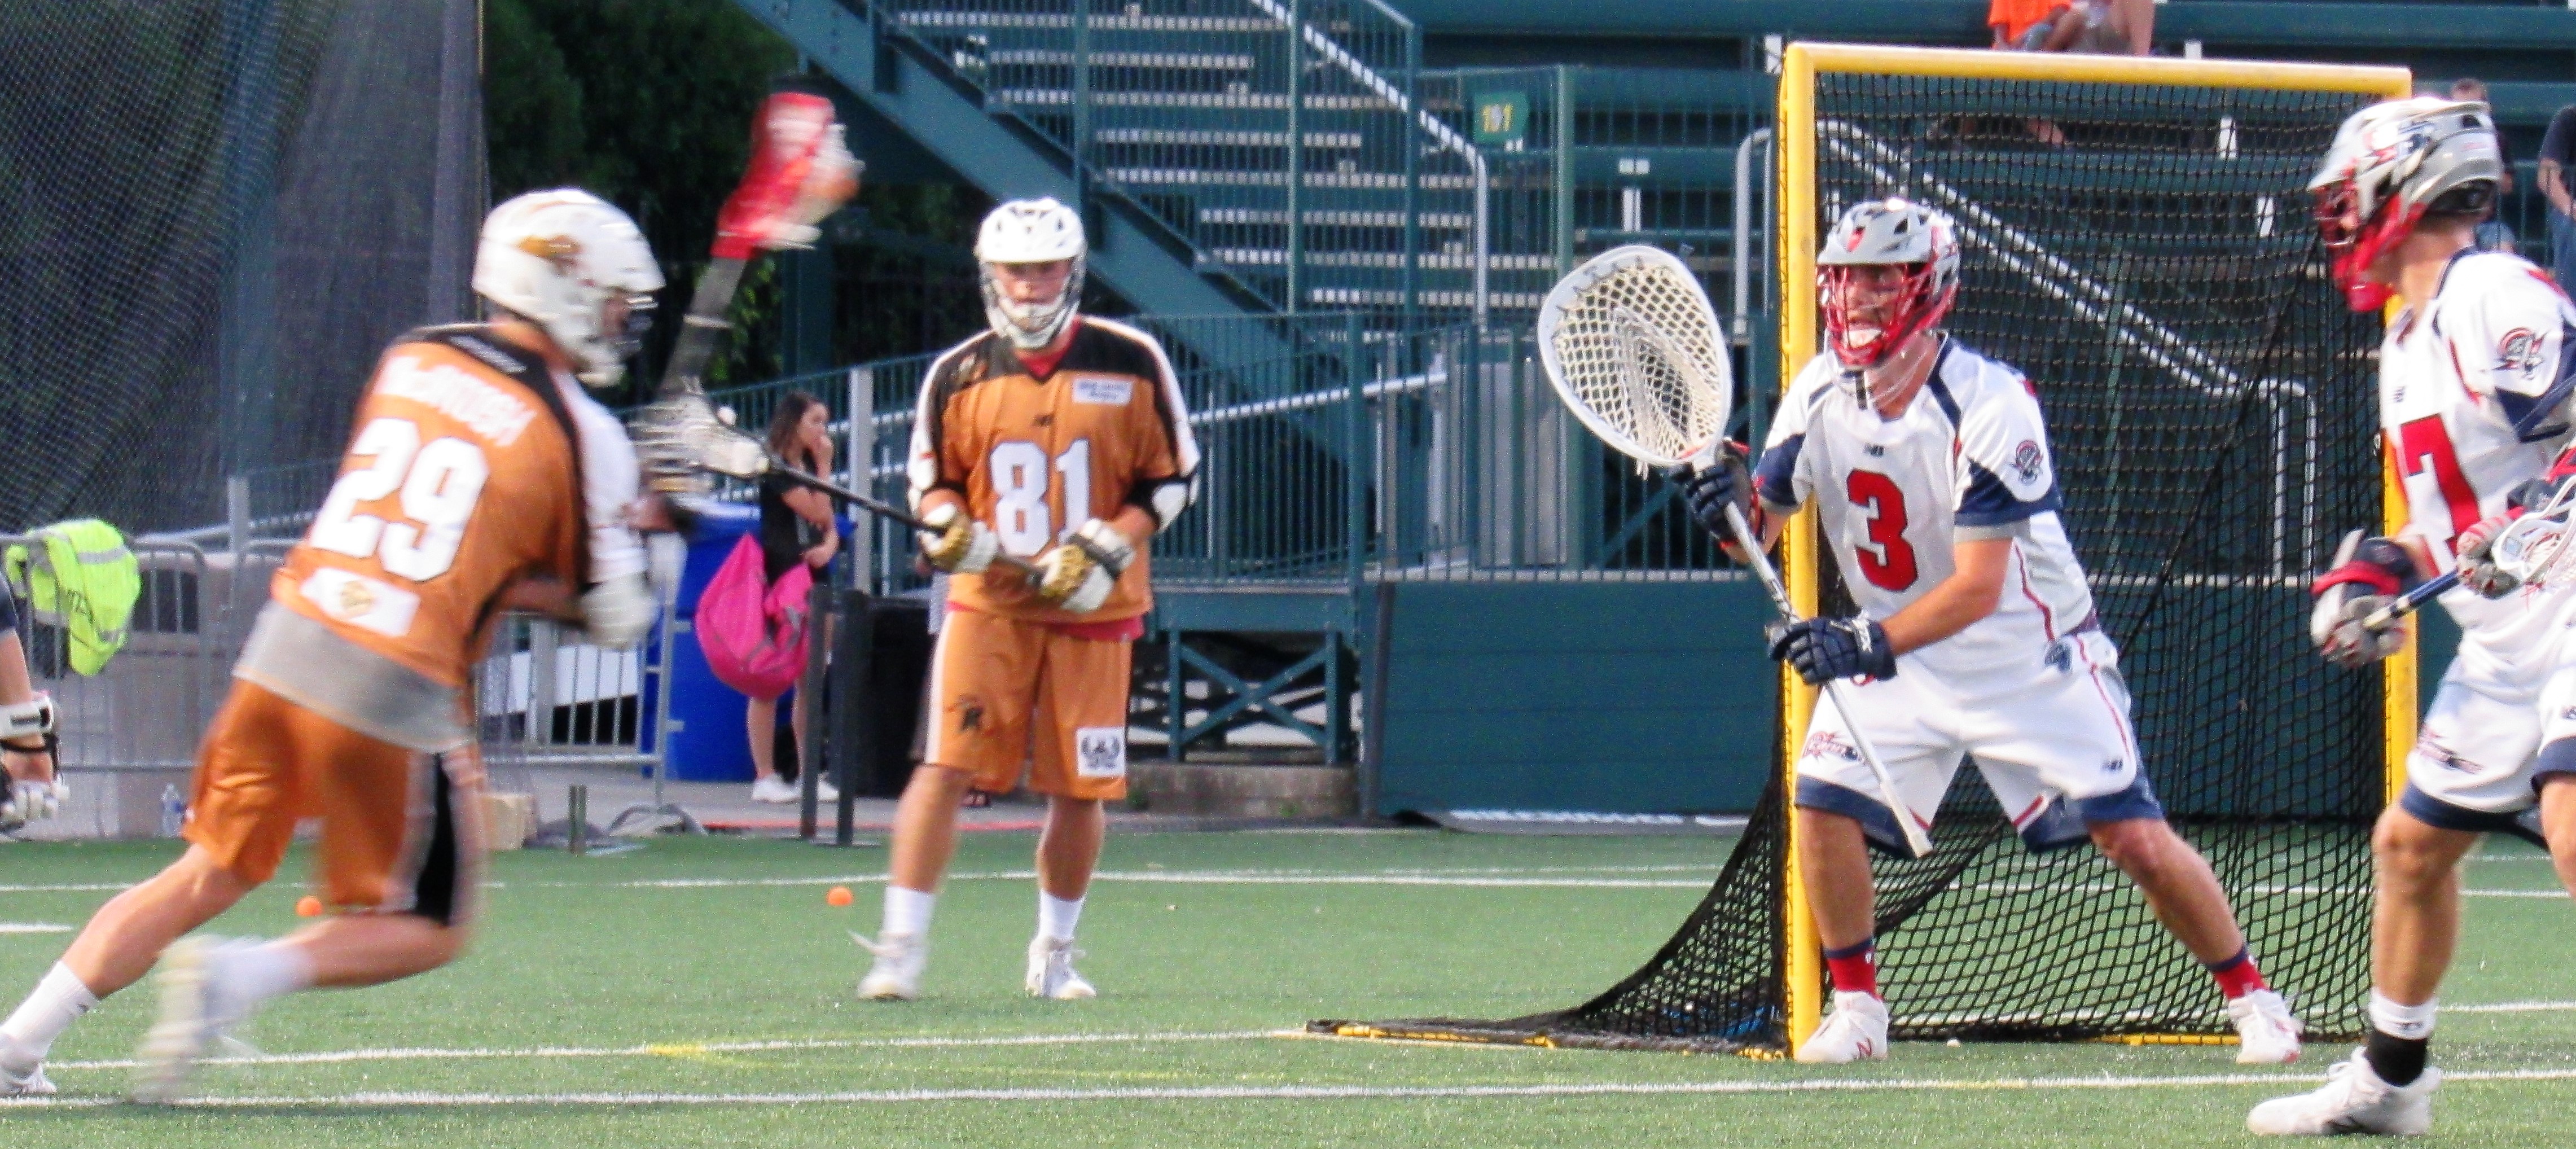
(2474, 380)
(1931, 473)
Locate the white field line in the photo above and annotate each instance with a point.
(696, 1048)
(2514, 1007)
(1286, 1092)
(34, 928)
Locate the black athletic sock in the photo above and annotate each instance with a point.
(2397, 1060)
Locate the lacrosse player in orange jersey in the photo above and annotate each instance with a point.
(480, 477)
(1061, 439)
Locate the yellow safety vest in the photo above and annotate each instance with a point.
(83, 580)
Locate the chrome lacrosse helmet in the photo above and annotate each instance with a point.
(2390, 164)
(1878, 233)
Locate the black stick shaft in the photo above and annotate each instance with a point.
(699, 329)
(890, 512)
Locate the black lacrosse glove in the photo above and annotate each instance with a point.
(1824, 649)
(1713, 481)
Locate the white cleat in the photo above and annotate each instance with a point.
(1855, 1031)
(2266, 1032)
(197, 1010)
(1051, 973)
(896, 976)
(2353, 1100)
(22, 1078)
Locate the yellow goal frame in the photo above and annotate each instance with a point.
(1796, 127)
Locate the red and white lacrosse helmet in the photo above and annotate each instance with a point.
(1878, 233)
(2390, 164)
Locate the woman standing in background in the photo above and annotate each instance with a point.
(795, 527)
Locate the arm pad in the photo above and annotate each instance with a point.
(27, 719)
(617, 613)
(1164, 498)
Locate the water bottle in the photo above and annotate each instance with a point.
(174, 811)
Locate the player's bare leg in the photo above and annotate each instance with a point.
(2185, 895)
(2178, 884)
(372, 949)
(1068, 852)
(1833, 861)
(118, 946)
(925, 838)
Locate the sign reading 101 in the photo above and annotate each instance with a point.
(1502, 119)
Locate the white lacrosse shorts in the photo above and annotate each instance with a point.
(2493, 731)
(2053, 743)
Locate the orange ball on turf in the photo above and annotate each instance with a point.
(308, 906)
(837, 896)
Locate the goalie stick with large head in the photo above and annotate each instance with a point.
(1632, 347)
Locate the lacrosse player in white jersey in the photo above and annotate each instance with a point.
(2473, 388)
(1931, 472)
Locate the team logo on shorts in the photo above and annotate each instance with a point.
(2060, 656)
(2519, 350)
(970, 714)
(2028, 461)
(1827, 744)
(1100, 752)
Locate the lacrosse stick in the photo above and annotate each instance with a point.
(687, 431)
(1632, 347)
(2533, 548)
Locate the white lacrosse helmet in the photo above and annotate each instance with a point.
(1030, 231)
(2390, 164)
(1878, 233)
(556, 258)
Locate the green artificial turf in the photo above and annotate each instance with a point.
(586, 1012)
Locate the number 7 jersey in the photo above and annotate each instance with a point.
(1967, 459)
(2473, 391)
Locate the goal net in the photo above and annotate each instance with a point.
(2136, 239)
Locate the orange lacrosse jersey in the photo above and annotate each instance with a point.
(1036, 458)
(463, 475)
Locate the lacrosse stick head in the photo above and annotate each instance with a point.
(1633, 349)
(801, 171)
(680, 440)
(2536, 547)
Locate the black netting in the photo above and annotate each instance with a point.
(2144, 254)
(219, 211)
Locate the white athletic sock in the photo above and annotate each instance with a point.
(258, 971)
(58, 1001)
(2411, 1022)
(907, 912)
(1056, 916)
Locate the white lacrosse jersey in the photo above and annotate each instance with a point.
(1968, 459)
(2473, 399)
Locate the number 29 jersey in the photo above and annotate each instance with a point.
(1969, 458)
(1036, 457)
(2473, 397)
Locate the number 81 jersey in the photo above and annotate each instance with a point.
(1035, 455)
(2473, 391)
(1968, 458)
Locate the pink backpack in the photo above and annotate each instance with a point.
(752, 633)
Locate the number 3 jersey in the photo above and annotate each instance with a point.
(1037, 456)
(471, 466)
(1968, 459)
(2473, 391)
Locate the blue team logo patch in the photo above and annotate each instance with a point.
(1827, 744)
(2519, 351)
(2028, 461)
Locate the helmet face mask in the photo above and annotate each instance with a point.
(1023, 234)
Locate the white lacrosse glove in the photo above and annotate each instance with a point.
(2478, 569)
(2368, 574)
(962, 545)
(616, 614)
(28, 801)
(1079, 575)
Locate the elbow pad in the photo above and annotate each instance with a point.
(617, 613)
(1164, 498)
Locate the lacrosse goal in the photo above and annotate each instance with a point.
(2136, 238)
